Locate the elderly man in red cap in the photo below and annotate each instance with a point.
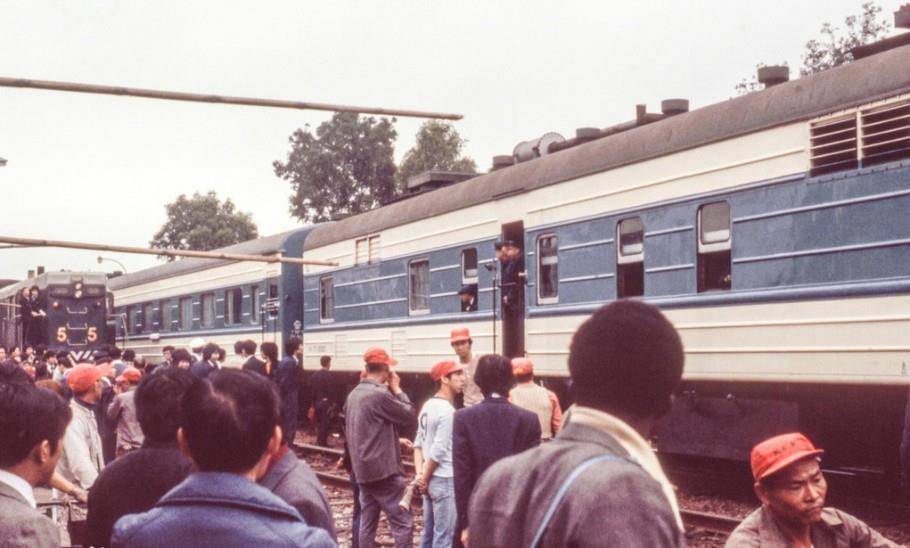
(374, 411)
(82, 458)
(461, 343)
(433, 455)
(790, 484)
(535, 398)
(122, 411)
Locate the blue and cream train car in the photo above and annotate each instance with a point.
(216, 300)
(773, 229)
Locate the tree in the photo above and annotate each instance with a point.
(438, 146)
(833, 48)
(345, 167)
(203, 223)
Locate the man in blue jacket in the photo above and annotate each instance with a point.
(288, 378)
(229, 429)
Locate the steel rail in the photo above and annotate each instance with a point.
(715, 523)
(219, 99)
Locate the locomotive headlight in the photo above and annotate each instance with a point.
(97, 304)
(78, 293)
(56, 304)
(78, 286)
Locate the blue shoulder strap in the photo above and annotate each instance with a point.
(564, 488)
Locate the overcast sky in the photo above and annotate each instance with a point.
(100, 168)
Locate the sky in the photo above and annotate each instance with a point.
(100, 169)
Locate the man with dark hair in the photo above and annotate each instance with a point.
(250, 361)
(288, 378)
(122, 411)
(461, 342)
(166, 355)
(374, 410)
(220, 504)
(792, 489)
(32, 424)
(323, 397)
(180, 359)
(535, 398)
(204, 367)
(598, 483)
(129, 359)
(134, 482)
(485, 433)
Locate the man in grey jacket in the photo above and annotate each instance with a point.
(32, 423)
(597, 483)
(374, 410)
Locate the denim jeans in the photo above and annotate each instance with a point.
(384, 495)
(439, 514)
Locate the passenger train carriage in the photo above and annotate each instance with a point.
(773, 229)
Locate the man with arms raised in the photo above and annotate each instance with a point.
(790, 484)
(32, 424)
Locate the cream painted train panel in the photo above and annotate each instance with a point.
(195, 282)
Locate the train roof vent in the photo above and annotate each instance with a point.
(886, 133)
(773, 75)
(833, 144)
(501, 161)
(535, 148)
(433, 179)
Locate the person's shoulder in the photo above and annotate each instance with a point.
(20, 519)
(137, 529)
(301, 534)
(748, 533)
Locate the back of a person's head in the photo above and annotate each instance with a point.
(129, 355)
(29, 415)
(228, 420)
(270, 351)
(325, 361)
(249, 346)
(12, 373)
(291, 345)
(208, 350)
(626, 358)
(115, 353)
(494, 374)
(238, 347)
(158, 403)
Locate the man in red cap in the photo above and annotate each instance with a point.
(82, 458)
(433, 455)
(122, 411)
(790, 484)
(535, 398)
(462, 343)
(374, 410)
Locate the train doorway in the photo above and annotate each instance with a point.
(512, 292)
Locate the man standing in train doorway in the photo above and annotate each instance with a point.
(512, 286)
(462, 343)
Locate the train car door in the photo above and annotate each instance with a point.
(512, 291)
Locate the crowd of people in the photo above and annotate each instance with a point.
(196, 451)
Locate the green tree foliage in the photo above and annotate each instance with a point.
(834, 45)
(345, 167)
(438, 146)
(202, 223)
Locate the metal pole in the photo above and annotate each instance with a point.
(209, 98)
(164, 252)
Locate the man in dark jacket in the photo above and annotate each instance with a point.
(374, 409)
(220, 504)
(485, 433)
(207, 365)
(251, 362)
(288, 378)
(134, 482)
(323, 395)
(598, 483)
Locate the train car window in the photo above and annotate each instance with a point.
(547, 269)
(132, 316)
(207, 312)
(233, 306)
(254, 304)
(374, 245)
(419, 287)
(186, 313)
(469, 266)
(164, 315)
(273, 290)
(327, 299)
(361, 251)
(715, 234)
(94, 290)
(630, 258)
(148, 317)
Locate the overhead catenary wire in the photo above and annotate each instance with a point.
(220, 99)
(164, 252)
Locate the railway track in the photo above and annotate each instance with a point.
(706, 521)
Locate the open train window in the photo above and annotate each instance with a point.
(715, 234)
(254, 304)
(547, 269)
(186, 313)
(366, 250)
(630, 258)
(233, 306)
(419, 287)
(326, 299)
(207, 311)
(131, 319)
(148, 317)
(164, 315)
(469, 266)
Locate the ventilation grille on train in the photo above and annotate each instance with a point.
(884, 136)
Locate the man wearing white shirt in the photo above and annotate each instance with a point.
(32, 424)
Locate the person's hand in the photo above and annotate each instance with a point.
(464, 537)
(394, 383)
(406, 443)
(79, 494)
(421, 484)
(340, 463)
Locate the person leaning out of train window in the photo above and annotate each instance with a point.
(791, 487)
(468, 296)
(209, 362)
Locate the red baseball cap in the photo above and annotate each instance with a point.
(522, 366)
(130, 374)
(378, 355)
(83, 377)
(775, 454)
(442, 369)
(460, 334)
